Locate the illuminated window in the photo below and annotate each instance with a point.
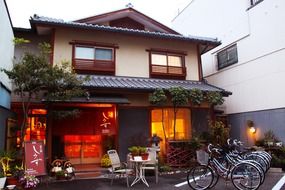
(165, 64)
(182, 129)
(36, 129)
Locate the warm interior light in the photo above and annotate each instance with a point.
(110, 114)
(252, 129)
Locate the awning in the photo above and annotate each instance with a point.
(145, 84)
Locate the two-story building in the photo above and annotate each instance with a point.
(127, 55)
(6, 62)
(249, 63)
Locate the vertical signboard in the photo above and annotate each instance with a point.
(35, 158)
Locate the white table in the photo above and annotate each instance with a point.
(140, 175)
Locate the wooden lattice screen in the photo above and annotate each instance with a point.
(179, 155)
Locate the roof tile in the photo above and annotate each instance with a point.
(148, 84)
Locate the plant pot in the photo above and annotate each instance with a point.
(2, 182)
(144, 156)
(133, 155)
(30, 188)
(60, 177)
(12, 181)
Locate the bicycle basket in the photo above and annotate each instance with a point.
(202, 157)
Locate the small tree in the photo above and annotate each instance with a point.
(34, 77)
(196, 96)
(214, 98)
(179, 97)
(219, 132)
(159, 98)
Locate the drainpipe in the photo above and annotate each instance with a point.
(201, 78)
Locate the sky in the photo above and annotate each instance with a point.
(163, 11)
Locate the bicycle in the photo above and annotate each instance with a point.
(216, 163)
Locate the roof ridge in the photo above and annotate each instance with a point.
(49, 20)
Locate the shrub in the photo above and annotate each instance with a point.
(105, 161)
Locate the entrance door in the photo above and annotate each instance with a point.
(83, 149)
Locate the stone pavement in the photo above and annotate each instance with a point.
(166, 182)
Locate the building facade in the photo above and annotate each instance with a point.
(6, 62)
(127, 55)
(249, 63)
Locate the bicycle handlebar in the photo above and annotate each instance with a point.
(211, 148)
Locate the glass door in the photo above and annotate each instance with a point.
(83, 149)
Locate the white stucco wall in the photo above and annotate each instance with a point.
(132, 59)
(217, 19)
(257, 79)
(6, 44)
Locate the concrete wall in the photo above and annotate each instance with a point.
(132, 59)
(257, 77)
(257, 80)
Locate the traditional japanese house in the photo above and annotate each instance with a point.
(127, 55)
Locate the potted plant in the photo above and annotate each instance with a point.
(29, 181)
(60, 175)
(143, 153)
(105, 161)
(5, 162)
(134, 151)
(17, 172)
(2, 180)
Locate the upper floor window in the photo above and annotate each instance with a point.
(93, 58)
(165, 64)
(227, 57)
(93, 53)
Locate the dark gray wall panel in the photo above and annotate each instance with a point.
(4, 114)
(263, 121)
(200, 119)
(133, 129)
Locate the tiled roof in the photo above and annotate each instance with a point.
(95, 99)
(146, 84)
(59, 22)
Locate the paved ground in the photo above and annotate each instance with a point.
(166, 182)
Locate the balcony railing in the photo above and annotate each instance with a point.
(167, 71)
(93, 66)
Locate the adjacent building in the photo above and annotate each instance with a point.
(127, 55)
(6, 62)
(249, 62)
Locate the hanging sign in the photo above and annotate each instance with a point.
(35, 158)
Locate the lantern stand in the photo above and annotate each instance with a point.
(155, 140)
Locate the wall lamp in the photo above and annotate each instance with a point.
(251, 127)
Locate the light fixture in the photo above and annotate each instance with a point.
(252, 130)
(251, 127)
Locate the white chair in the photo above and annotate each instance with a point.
(118, 168)
(153, 163)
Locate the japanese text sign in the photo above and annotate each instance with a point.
(34, 158)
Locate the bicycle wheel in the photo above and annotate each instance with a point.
(200, 177)
(259, 167)
(215, 178)
(246, 176)
(260, 159)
